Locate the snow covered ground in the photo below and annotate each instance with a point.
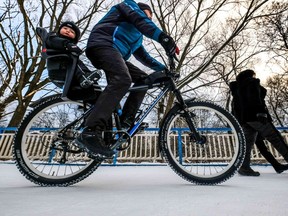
(144, 191)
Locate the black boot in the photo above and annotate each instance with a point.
(247, 171)
(280, 168)
(93, 142)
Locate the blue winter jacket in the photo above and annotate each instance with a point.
(123, 28)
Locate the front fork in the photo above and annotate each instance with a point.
(195, 136)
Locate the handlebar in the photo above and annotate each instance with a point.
(172, 66)
(171, 59)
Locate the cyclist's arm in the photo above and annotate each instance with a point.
(143, 56)
(138, 18)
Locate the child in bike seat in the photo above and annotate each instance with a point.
(66, 39)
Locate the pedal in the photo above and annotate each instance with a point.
(95, 156)
(98, 157)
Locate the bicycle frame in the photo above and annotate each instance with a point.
(137, 123)
(144, 114)
(165, 86)
(168, 85)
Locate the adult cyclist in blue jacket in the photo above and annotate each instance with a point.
(117, 36)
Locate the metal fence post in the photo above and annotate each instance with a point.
(115, 159)
(179, 139)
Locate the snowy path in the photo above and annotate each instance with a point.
(144, 191)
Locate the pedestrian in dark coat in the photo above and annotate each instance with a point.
(249, 108)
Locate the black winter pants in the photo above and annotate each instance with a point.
(267, 131)
(119, 75)
(265, 152)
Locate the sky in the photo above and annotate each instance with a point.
(142, 191)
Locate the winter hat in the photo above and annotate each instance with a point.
(143, 7)
(245, 74)
(73, 26)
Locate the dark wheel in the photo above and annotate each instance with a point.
(213, 158)
(45, 153)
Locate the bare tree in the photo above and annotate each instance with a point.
(273, 34)
(207, 33)
(21, 69)
(274, 28)
(215, 43)
(278, 98)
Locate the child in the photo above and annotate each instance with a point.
(65, 40)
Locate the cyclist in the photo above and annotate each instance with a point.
(112, 41)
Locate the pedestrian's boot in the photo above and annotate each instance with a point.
(248, 171)
(279, 168)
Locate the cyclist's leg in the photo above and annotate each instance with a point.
(135, 98)
(119, 81)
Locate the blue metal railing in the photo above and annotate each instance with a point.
(2, 129)
(179, 133)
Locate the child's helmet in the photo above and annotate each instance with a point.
(73, 26)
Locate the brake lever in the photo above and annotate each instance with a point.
(172, 59)
(175, 57)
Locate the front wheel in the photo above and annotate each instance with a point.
(207, 161)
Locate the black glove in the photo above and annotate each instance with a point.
(262, 117)
(73, 48)
(168, 44)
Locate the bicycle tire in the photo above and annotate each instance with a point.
(33, 150)
(205, 164)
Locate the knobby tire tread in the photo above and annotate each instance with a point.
(175, 167)
(26, 171)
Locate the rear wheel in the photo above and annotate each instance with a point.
(45, 153)
(212, 159)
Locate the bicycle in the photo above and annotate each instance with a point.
(46, 153)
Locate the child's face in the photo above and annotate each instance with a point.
(67, 32)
